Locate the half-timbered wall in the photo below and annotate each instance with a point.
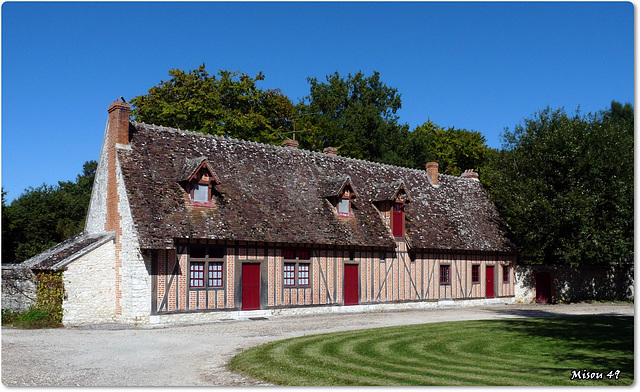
(384, 276)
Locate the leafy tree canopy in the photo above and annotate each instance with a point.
(227, 104)
(455, 150)
(44, 216)
(356, 114)
(564, 183)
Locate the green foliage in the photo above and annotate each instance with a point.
(44, 216)
(229, 104)
(9, 316)
(50, 294)
(455, 150)
(529, 352)
(47, 311)
(34, 318)
(565, 186)
(357, 115)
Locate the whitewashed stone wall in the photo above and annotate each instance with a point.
(135, 271)
(97, 214)
(90, 287)
(578, 283)
(525, 288)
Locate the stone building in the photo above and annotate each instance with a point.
(190, 227)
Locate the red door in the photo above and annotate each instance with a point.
(250, 286)
(489, 273)
(543, 287)
(351, 284)
(398, 220)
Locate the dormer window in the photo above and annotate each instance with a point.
(340, 194)
(391, 201)
(199, 180)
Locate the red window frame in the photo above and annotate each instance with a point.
(506, 273)
(215, 274)
(475, 273)
(303, 274)
(289, 277)
(445, 274)
(296, 273)
(196, 274)
(209, 260)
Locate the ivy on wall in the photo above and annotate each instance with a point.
(50, 294)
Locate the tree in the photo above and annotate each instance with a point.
(357, 115)
(44, 216)
(455, 150)
(230, 104)
(565, 186)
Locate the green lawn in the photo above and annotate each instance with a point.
(536, 351)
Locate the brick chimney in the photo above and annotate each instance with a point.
(330, 151)
(119, 122)
(117, 137)
(290, 143)
(432, 172)
(470, 175)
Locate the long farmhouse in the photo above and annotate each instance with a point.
(185, 226)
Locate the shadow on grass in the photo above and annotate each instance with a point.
(594, 342)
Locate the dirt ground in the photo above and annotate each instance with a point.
(196, 355)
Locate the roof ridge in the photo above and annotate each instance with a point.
(280, 148)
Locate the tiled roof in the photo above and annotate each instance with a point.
(275, 194)
(67, 251)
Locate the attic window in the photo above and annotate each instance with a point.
(344, 206)
(200, 193)
(343, 202)
(199, 180)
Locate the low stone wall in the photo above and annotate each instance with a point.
(18, 288)
(577, 283)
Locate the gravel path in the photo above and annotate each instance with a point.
(196, 355)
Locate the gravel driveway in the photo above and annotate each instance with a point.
(192, 355)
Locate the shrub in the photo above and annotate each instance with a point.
(36, 318)
(9, 316)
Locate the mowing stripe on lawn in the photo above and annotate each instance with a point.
(499, 352)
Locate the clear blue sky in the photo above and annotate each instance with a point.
(477, 66)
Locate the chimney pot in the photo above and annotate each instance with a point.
(119, 122)
(330, 151)
(432, 172)
(290, 143)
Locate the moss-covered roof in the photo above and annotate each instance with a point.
(275, 194)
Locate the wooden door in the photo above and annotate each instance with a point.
(490, 286)
(543, 287)
(351, 284)
(398, 220)
(250, 286)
